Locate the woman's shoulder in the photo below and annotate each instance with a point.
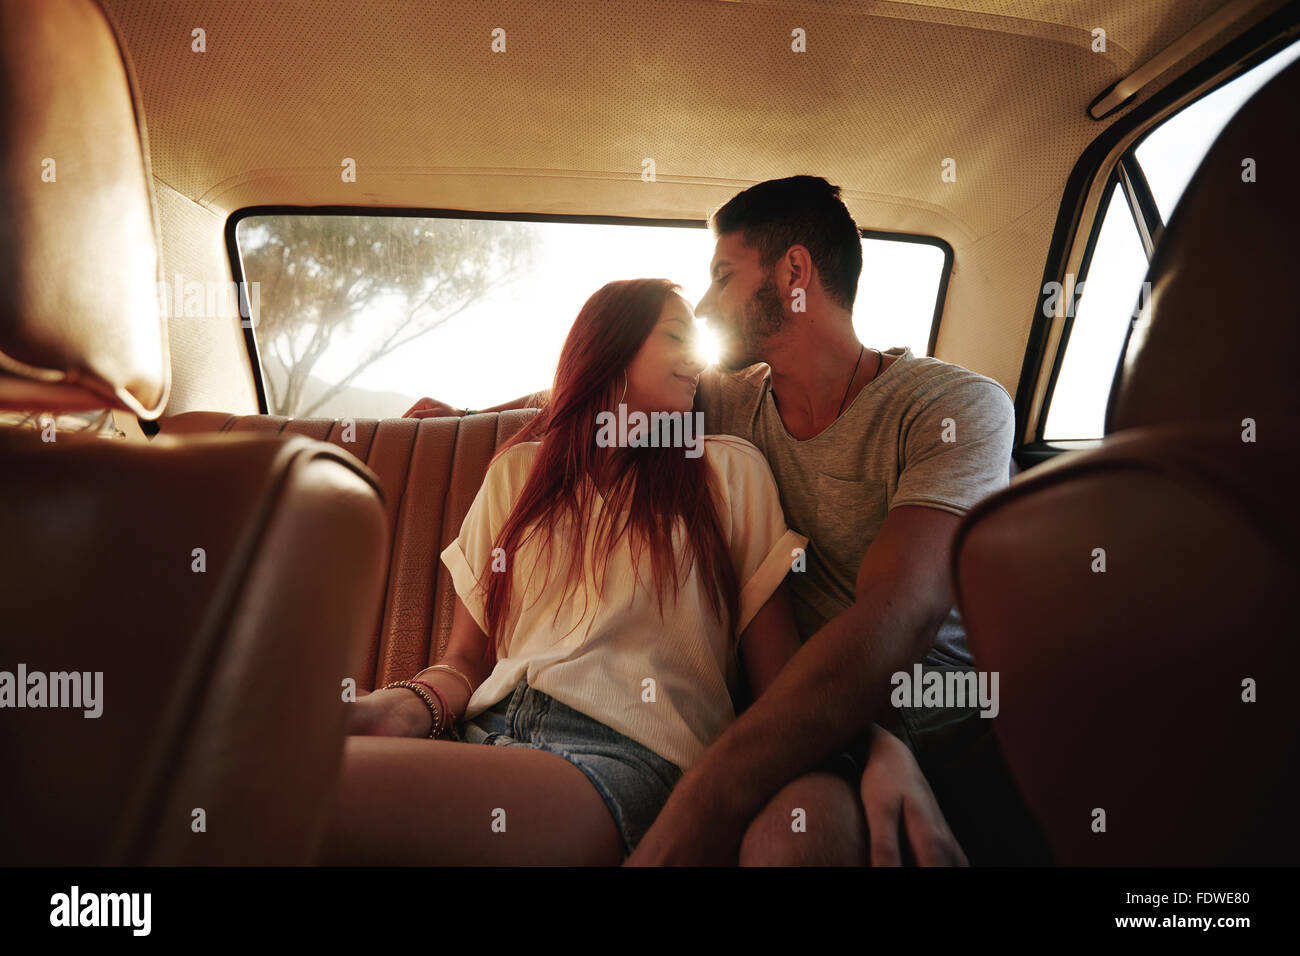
(735, 457)
(512, 464)
(524, 450)
(725, 445)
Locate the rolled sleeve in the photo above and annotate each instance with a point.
(771, 572)
(957, 449)
(470, 552)
(762, 546)
(465, 581)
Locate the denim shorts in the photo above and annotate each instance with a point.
(633, 781)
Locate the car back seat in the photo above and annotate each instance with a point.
(430, 470)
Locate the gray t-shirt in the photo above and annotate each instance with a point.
(924, 432)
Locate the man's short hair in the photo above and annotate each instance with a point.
(798, 211)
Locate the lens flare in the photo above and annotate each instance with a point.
(706, 343)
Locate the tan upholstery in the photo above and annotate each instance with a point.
(430, 470)
(216, 584)
(1124, 690)
(222, 689)
(80, 326)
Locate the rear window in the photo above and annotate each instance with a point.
(362, 315)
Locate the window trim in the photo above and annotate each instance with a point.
(1040, 452)
(237, 265)
(1141, 201)
(1076, 296)
(1129, 179)
(1257, 44)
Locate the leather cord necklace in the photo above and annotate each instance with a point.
(861, 348)
(879, 360)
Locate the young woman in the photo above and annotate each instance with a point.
(606, 596)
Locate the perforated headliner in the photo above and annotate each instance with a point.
(711, 91)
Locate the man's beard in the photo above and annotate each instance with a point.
(764, 316)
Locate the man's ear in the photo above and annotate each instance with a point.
(794, 270)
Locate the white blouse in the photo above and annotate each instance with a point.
(666, 683)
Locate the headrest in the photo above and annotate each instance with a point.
(80, 322)
(1220, 332)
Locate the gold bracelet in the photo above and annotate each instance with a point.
(448, 667)
(429, 702)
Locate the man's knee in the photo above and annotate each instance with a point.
(816, 820)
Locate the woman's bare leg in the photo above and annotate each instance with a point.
(406, 800)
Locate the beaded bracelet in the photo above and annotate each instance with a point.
(428, 702)
(450, 729)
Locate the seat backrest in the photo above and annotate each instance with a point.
(1136, 599)
(80, 326)
(430, 470)
(178, 617)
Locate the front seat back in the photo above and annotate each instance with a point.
(178, 618)
(1136, 600)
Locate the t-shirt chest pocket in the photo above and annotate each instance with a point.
(849, 515)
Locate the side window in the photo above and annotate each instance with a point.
(1106, 305)
(1170, 154)
(1164, 161)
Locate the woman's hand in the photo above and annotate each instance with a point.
(892, 787)
(396, 712)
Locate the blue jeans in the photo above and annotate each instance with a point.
(633, 781)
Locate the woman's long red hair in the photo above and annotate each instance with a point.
(656, 485)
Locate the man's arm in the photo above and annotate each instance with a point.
(828, 693)
(432, 408)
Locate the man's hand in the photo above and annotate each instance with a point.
(893, 787)
(432, 408)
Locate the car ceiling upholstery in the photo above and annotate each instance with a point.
(587, 89)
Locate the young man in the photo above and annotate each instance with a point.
(877, 455)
